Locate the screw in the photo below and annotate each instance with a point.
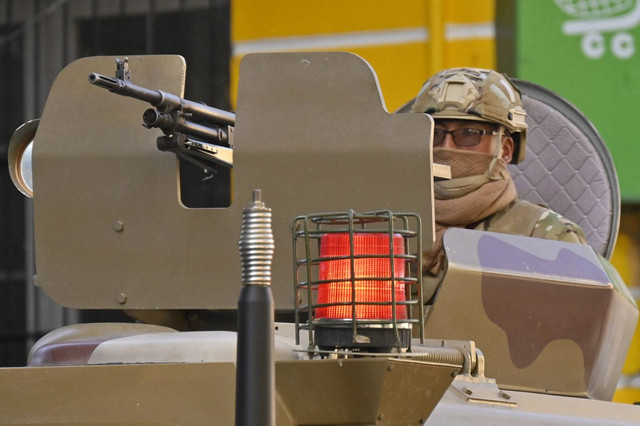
(504, 395)
(122, 298)
(118, 226)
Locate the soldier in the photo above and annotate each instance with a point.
(480, 128)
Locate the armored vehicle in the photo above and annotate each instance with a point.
(269, 257)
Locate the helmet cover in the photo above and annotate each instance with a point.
(476, 94)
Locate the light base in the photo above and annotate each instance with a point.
(377, 339)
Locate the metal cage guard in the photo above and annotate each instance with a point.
(309, 230)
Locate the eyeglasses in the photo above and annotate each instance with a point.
(461, 137)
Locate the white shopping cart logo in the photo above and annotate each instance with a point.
(597, 17)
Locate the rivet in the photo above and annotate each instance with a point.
(467, 390)
(380, 417)
(390, 367)
(118, 226)
(122, 298)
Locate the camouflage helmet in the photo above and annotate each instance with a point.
(476, 94)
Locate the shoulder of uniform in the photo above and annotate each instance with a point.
(521, 211)
(552, 218)
(552, 225)
(519, 215)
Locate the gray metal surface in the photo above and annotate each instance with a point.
(526, 409)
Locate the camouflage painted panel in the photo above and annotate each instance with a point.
(537, 291)
(525, 256)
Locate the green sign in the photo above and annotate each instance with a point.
(585, 50)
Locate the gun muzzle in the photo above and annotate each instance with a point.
(103, 81)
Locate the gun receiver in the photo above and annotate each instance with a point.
(191, 129)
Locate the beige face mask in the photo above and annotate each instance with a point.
(469, 171)
(480, 186)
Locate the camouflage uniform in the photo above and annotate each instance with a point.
(525, 218)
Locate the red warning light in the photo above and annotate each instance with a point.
(372, 276)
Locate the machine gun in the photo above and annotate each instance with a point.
(198, 133)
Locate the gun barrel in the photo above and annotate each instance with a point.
(125, 88)
(163, 100)
(207, 113)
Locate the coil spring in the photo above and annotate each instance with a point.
(438, 355)
(256, 243)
